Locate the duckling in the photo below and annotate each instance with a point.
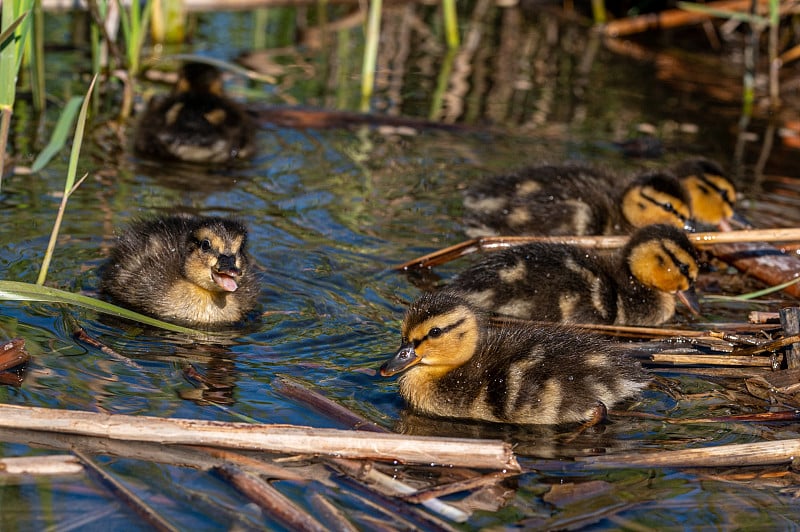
(456, 364)
(573, 200)
(711, 193)
(564, 283)
(183, 269)
(196, 123)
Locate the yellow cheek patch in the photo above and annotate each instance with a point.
(453, 347)
(708, 203)
(646, 206)
(658, 268)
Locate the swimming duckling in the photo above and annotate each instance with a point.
(455, 364)
(183, 269)
(563, 283)
(197, 123)
(711, 193)
(573, 200)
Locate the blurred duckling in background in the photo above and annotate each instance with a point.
(564, 283)
(196, 123)
(183, 269)
(455, 364)
(573, 200)
(711, 193)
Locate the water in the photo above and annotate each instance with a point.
(330, 211)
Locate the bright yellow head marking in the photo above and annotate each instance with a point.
(445, 341)
(712, 197)
(644, 205)
(663, 265)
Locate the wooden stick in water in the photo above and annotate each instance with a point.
(295, 390)
(127, 496)
(289, 439)
(745, 454)
(597, 242)
(270, 500)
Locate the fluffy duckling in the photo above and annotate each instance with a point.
(197, 123)
(563, 283)
(573, 200)
(455, 364)
(183, 269)
(711, 193)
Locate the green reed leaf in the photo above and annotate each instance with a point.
(60, 134)
(17, 291)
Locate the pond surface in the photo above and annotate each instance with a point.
(330, 211)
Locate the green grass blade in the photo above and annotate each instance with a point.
(68, 185)
(750, 18)
(6, 33)
(17, 291)
(753, 295)
(60, 134)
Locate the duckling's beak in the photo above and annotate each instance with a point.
(689, 298)
(689, 225)
(737, 221)
(405, 357)
(225, 273)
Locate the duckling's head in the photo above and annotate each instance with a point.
(711, 192)
(440, 332)
(661, 257)
(199, 78)
(657, 198)
(216, 256)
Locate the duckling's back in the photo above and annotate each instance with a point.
(543, 282)
(146, 261)
(554, 200)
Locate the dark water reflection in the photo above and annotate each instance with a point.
(330, 211)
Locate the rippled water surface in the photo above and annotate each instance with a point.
(330, 211)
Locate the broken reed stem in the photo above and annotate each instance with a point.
(745, 454)
(392, 487)
(51, 465)
(270, 500)
(288, 439)
(296, 391)
(494, 243)
(127, 496)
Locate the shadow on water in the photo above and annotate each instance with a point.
(330, 211)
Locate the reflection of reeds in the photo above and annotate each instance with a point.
(14, 29)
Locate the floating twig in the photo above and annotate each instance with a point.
(744, 454)
(271, 500)
(51, 465)
(295, 390)
(290, 439)
(494, 243)
(127, 496)
(366, 472)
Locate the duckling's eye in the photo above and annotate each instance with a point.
(435, 332)
(205, 245)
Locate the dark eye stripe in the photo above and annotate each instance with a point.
(666, 206)
(682, 266)
(722, 192)
(443, 331)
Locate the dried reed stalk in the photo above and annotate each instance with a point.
(297, 391)
(671, 18)
(493, 243)
(127, 496)
(52, 465)
(271, 500)
(488, 454)
(745, 454)
(710, 360)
